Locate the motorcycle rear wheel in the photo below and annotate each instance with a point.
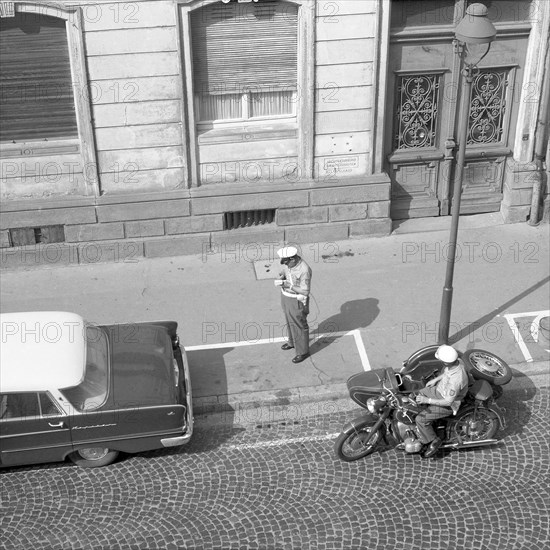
(471, 425)
(350, 446)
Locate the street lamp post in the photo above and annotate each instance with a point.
(475, 28)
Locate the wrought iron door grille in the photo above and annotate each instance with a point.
(248, 218)
(488, 106)
(417, 109)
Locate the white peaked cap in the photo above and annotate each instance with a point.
(287, 252)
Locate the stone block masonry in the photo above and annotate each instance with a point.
(94, 232)
(144, 228)
(298, 216)
(190, 222)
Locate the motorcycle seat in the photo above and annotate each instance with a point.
(481, 390)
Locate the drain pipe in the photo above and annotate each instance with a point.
(541, 135)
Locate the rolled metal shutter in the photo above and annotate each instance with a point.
(36, 99)
(239, 47)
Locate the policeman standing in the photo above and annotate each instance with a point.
(295, 283)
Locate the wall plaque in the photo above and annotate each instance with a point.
(341, 165)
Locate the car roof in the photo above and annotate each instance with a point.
(41, 350)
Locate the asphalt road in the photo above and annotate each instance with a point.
(278, 485)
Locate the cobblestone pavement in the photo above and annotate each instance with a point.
(280, 486)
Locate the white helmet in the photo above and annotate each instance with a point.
(447, 354)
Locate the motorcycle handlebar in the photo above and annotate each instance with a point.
(398, 401)
(395, 398)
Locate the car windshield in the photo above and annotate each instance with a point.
(91, 393)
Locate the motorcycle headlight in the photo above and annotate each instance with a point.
(370, 404)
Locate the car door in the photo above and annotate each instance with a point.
(33, 429)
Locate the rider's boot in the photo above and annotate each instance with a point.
(432, 449)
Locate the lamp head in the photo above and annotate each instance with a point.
(475, 27)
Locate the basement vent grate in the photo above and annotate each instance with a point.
(25, 236)
(248, 218)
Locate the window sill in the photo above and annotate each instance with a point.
(39, 148)
(248, 132)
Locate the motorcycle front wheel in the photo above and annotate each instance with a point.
(472, 425)
(352, 446)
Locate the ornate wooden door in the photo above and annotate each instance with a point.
(425, 84)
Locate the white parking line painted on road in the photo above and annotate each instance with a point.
(361, 349)
(511, 318)
(280, 442)
(236, 344)
(356, 333)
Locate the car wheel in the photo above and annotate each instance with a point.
(93, 457)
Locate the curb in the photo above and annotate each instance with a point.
(330, 392)
(137, 249)
(533, 367)
(271, 398)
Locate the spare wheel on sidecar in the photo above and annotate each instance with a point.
(487, 366)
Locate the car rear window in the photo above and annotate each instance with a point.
(91, 393)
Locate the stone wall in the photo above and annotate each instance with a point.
(187, 222)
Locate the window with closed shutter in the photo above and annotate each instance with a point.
(245, 60)
(36, 93)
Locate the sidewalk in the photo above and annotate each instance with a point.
(374, 302)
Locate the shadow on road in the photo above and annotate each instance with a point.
(209, 386)
(516, 400)
(471, 328)
(355, 314)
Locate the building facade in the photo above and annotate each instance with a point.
(165, 127)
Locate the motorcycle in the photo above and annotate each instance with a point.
(389, 398)
(422, 365)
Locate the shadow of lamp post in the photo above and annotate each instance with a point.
(475, 28)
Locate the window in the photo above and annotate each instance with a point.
(244, 61)
(45, 114)
(417, 109)
(488, 112)
(20, 405)
(513, 11)
(417, 99)
(249, 77)
(428, 13)
(91, 393)
(36, 99)
(420, 13)
(48, 406)
(27, 405)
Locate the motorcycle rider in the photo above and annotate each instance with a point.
(443, 395)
